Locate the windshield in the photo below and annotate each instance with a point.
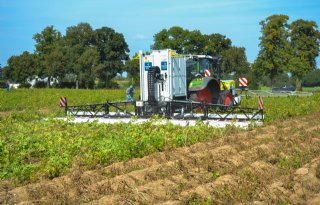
(205, 64)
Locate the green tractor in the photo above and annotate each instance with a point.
(204, 81)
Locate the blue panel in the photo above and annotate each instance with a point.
(164, 65)
(147, 66)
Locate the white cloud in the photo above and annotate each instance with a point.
(140, 37)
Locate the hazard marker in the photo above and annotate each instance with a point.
(243, 82)
(63, 102)
(260, 103)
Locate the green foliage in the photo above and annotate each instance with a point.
(235, 60)
(84, 53)
(21, 67)
(48, 99)
(305, 44)
(274, 54)
(113, 50)
(305, 47)
(285, 107)
(133, 69)
(312, 79)
(194, 42)
(33, 148)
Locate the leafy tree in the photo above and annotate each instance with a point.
(56, 63)
(274, 54)
(21, 67)
(89, 61)
(305, 48)
(113, 50)
(235, 60)
(216, 44)
(133, 69)
(175, 38)
(78, 39)
(47, 48)
(193, 42)
(312, 79)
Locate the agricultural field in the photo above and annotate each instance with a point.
(43, 160)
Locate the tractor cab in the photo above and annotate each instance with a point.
(203, 78)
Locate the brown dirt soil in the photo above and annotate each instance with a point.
(277, 164)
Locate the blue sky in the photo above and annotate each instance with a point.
(139, 20)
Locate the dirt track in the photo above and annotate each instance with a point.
(277, 164)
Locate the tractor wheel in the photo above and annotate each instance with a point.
(225, 98)
(203, 95)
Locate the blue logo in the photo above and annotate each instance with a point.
(164, 65)
(147, 66)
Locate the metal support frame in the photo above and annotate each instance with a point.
(186, 110)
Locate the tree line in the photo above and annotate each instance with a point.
(287, 48)
(91, 58)
(83, 56)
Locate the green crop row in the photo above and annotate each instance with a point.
(35, 99)
(280, 108)
(33, 148)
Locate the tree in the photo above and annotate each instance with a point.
(312, 79)
(113, 51)
(133, 68)
(194, 43)
(89, 61)
(191, 42)
(175, 38)
(216, 44)
(305, 48)
(78, 39)
(47, 48)
(21, 67)
(274, 54)
(235, 60)
(56, 63)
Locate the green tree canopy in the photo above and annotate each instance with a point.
(49, 53)
(133, 69)
(305, 48)
(78, 39)
(193, 42)
(217, 44)
(175, 38)
(274, 54)
(113, 50)
(21, 67)
(235, 60)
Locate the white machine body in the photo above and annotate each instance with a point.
(173, 75)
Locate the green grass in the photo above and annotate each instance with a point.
(35, 99)
(280, 108)
(311, 89)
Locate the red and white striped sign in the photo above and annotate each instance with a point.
(207, 73)
(260, 103)
(63, 102)
(243, 82)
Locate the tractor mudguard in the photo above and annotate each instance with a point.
(200, 83)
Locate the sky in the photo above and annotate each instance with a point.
(140, 20)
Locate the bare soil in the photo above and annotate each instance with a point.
(276, 164)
